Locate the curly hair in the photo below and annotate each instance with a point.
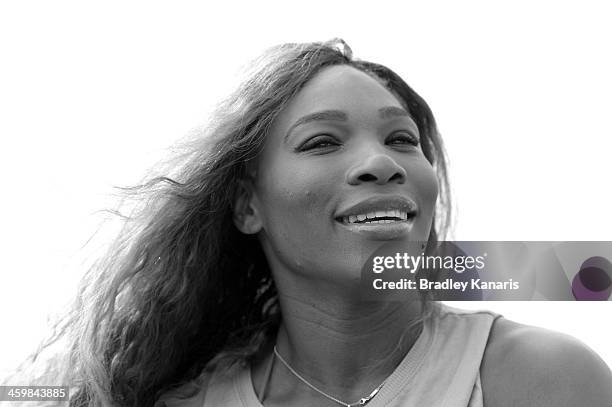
(181, 290)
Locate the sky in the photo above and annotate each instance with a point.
(92, 94)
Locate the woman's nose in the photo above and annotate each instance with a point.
(378, 168)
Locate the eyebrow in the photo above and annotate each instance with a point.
(337, 115)
(392, 111)
(386, 112)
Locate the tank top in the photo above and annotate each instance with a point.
(442, 369)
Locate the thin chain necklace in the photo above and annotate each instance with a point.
(362, 401)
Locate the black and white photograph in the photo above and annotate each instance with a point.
(265, 204)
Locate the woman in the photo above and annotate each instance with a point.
(237, 281)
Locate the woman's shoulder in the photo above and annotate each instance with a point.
(526, 365)
(191, 394)
(215, 386)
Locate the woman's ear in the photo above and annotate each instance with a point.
(245, 212)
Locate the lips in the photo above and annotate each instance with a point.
(379, 210)
(380, 218)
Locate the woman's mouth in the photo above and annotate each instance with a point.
(380, 218)
(377, 217)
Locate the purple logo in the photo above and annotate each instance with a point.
(593, 282)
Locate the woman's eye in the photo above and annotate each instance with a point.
(319, 142)
(403, 138)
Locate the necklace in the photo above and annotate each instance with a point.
(362, 401)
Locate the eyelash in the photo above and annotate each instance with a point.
(326, 140)
(409, 137)
(317, 141)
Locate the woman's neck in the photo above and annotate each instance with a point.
(338, 343)
(345, 348)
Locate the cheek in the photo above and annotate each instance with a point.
(294, 208)
(424, 185)
(428, 184)
(292, 196)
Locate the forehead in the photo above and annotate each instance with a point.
(339, 87)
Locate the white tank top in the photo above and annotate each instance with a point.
(442, 369)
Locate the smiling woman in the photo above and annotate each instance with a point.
(342, 148)
(235, 282)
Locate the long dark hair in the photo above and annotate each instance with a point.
(181, 290)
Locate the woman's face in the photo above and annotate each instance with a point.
(341, 171)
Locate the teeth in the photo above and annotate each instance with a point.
(369, 217)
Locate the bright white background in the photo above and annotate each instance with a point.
(91, 93)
